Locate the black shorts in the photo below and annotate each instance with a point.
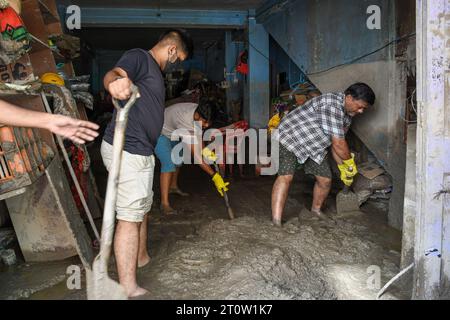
(289, 164)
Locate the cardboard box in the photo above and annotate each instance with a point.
(19, 71)
(370, 170)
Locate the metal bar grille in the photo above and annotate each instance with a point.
(23, 157)
(5, 172)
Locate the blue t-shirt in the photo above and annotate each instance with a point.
(146, 117)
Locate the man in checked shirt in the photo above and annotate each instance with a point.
(305, 136)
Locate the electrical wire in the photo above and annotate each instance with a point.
(365, 55)
(407, 121)
(257, 50)
(345, 63)
(410, 99)
(303, 75)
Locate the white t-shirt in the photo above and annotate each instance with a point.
(179, 116)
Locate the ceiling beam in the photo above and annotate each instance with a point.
(144, 17)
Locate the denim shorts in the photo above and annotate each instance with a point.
(163, 151)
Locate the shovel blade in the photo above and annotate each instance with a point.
(230, 213)
(101, 287)
(346, 201)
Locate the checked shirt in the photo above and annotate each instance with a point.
(307, 130)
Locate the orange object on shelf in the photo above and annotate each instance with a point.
(23, 157)
(242, 66)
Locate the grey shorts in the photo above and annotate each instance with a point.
(288, 165)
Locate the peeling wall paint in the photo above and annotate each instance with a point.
(433, 165)
(319, 34)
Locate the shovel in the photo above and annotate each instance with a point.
(346, 200)
(99, 285)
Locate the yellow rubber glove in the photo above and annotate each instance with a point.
(350, 167)
(347, 181)
(274, 122)
(208, 154)
(344, 177)
(221, 185)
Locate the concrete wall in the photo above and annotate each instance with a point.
(409, 216)
(432, 228)
(319, 34)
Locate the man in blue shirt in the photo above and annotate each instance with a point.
(145, 121)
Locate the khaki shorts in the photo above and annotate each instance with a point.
(134, 194)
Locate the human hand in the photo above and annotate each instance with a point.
(209, 154)
(120, 88)
(78, 131)
(274, 122)
(221, 185)
(347, 181)
(350, 167)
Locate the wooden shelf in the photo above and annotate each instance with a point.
(32, 17)
(12, 93)
(27, 89)
(50, 16)
(54, 28)
(41, 20)
(39, 45)
(11, 194)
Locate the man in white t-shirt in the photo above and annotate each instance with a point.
(177, 117)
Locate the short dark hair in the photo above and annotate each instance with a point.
(181, 38)
(205, 108)
(361, 91)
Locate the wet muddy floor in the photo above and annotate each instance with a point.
(201, 254)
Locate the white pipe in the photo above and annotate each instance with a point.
(387, 285)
